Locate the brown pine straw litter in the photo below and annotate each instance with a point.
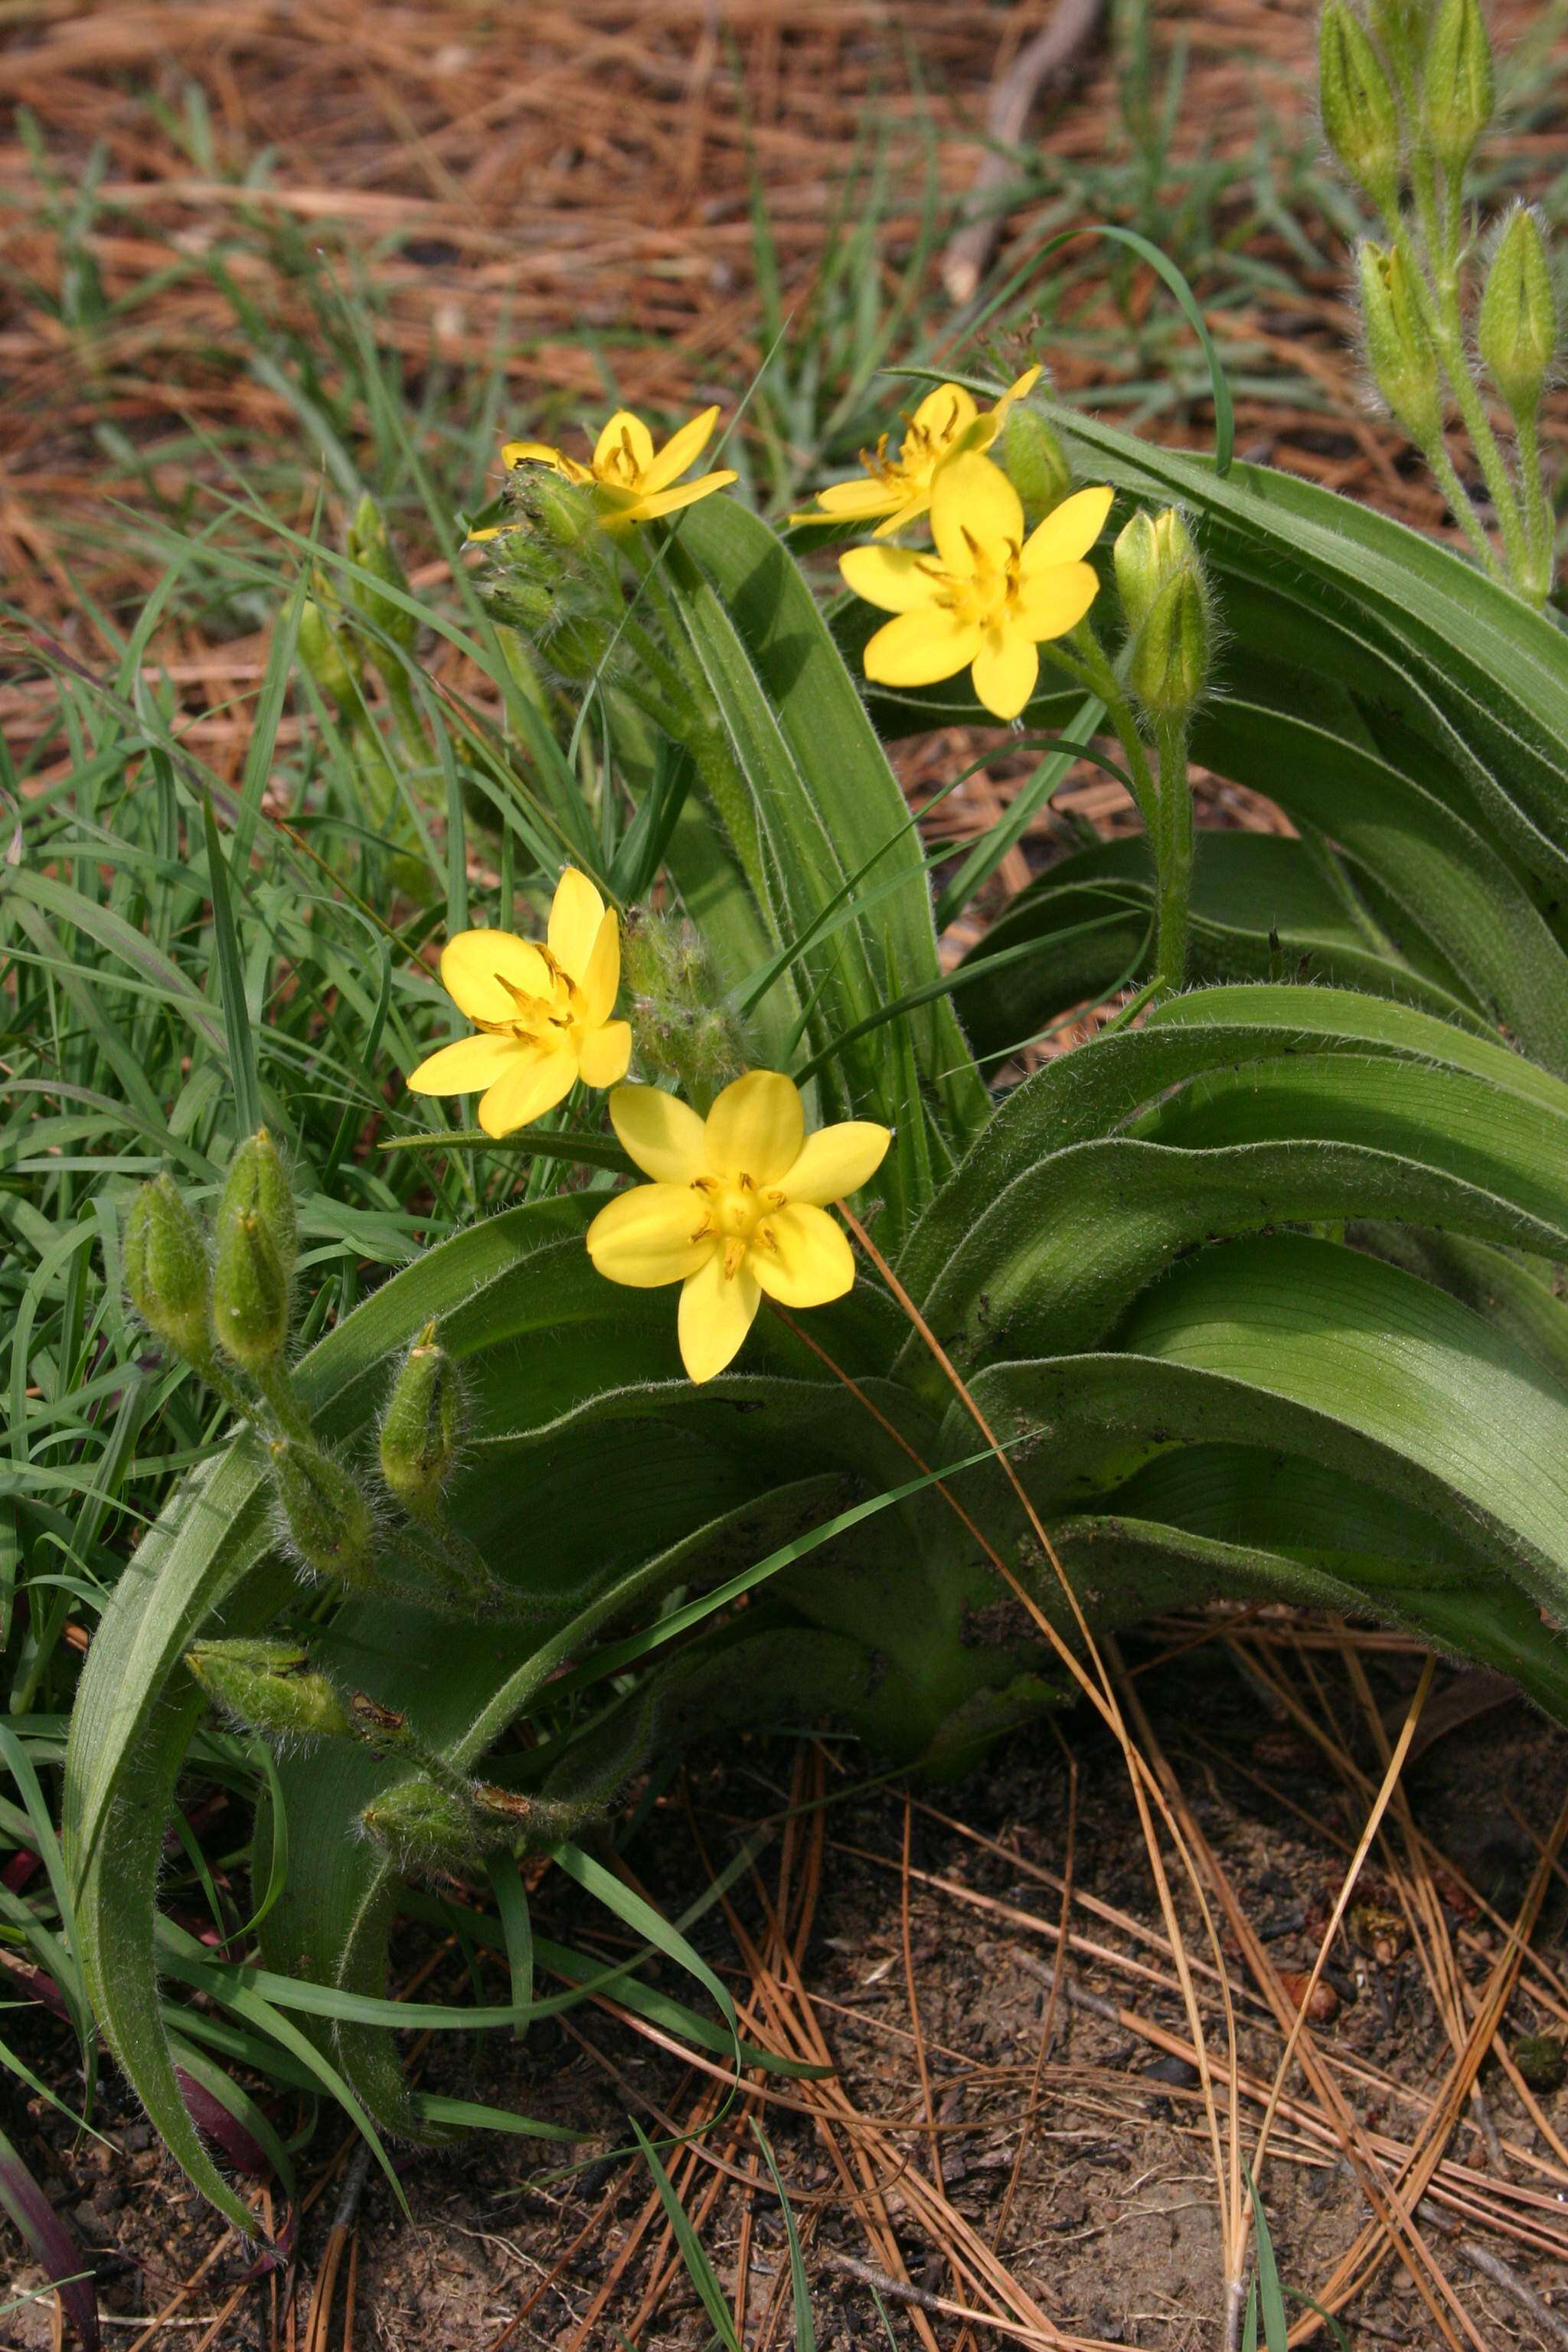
(1021, 2060)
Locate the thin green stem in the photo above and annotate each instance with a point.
(282, 1402)
(1095, 671)
(1174, 853)
(1460, 504)
(1540, 523)
(1446, 325)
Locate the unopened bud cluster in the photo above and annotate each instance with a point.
(551, 572)
(224, 1301)
(1407, 90)
(330, 648)
(684, 1029)
(1166, 603)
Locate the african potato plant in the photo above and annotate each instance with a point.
(1253, 1294)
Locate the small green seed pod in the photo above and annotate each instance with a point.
(258, 1181)
(425, 1827)
(368, 545)
(1171, 659)
(1033, 461)
(1398, 346)
(166, 1273)
(1518, 328)
(325, 650)
(1165, 597)
(1361, 116)
(269, 1687)
(422, 1426)
(250, 1294)
(329, 1520)
(1456, 87)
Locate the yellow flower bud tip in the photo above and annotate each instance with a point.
(1456, 87)
(544, 1012)
(896, 490)
(1360, 113)
(990, 594)
(632, 482)
(166, 1273)
(736, 1209)
(1519, 325)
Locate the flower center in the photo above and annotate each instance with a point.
(620, 469)
(544, 1021)
(735, 1210)
(983, 598)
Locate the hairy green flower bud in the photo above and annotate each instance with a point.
(368, 545)
(562, 511)
(578, 643)
(517, 602)
(166, 1268)
(683, 1027)
(1401, 27)
(250, 1294)
(269, 1687)
(323, 647)
(329, 1520)
(1361, 116)
(1171, 659)
(1519, 326)
(1456, 91)
(425, 1827)
(1398, 346)
(1033, 461)
(422, 1426)
(1166, 600)
(258, 1182)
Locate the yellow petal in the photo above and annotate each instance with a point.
(662, 1134)
(755, 1128)
(811, 1261)
(1006, 669)
(603, 1054)
(1019, 389)
(715, 1315)
(1069, 532)
(862, 498)
(685, 493)
(624, 432)
(476, 964)
(910, 511)
(943, 416)
(535, 1084)
(683, 449)
(576, 914)
(974, 504)
(1055, 601)
(490, 531)
(644, 1237)
(531, 453)
(465, 1067)
(917, 648)
(836, 1162)
(600, 979)
(894, 578)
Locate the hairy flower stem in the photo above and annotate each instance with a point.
(1439, 293)
(282, 1402)
(1539, 521)
(1174, 851)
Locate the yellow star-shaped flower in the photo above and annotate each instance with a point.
(947, 420)
(634, 482)
(737, 1207)
(542, 1012)
(988, 595)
